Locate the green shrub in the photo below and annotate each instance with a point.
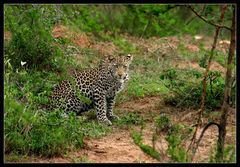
(31, 40)
(175, 137)
(176, 134)
(170, 74)
(29, 130)
(44, 133)
(140, 20)
(85, 17)
(187, 93)
(162, 123)
(137, 138)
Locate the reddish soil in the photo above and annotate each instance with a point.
(118, 147)
(105, 48)
(183, 64)
(83, 40)
(80, 39)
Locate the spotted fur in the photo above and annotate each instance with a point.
(93, 88)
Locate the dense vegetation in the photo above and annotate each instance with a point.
(35, 61)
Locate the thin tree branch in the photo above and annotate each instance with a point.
(208, 21)
(201, 136)
(202, 106)
(196, 16)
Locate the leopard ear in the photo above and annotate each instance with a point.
(110, 58)
(129, 57)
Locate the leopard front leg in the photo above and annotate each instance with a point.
(110, 105)
(101, 107)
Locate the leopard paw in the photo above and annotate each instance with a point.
(106, 122)
(114, 117)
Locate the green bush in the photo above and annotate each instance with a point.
(187, 93)
(31, 40)
(43, 133)
(30, 130)
(176, 135)
(140, 20)
(162, 123)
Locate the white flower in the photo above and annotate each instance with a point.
(23, 63)
(197, 37)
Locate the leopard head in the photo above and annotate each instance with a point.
(120, 66)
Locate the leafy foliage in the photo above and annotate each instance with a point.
(162, 123)
(176, 135)
(141, 20)
(35, 132)
(31, 41)
(28, 129)
(187, 93)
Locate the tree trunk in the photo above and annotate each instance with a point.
(225, 106)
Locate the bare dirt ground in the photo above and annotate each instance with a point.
(119, 147)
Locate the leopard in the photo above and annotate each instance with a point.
(93, 88)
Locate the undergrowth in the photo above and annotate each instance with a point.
(137, 138)
(187, 93)
(175, 135)
(28, 129)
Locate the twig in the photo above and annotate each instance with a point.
(200, 138)
(173, 49)
(195, 16)
(100, 151)
(208, 21)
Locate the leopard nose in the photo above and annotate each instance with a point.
(120, 75)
